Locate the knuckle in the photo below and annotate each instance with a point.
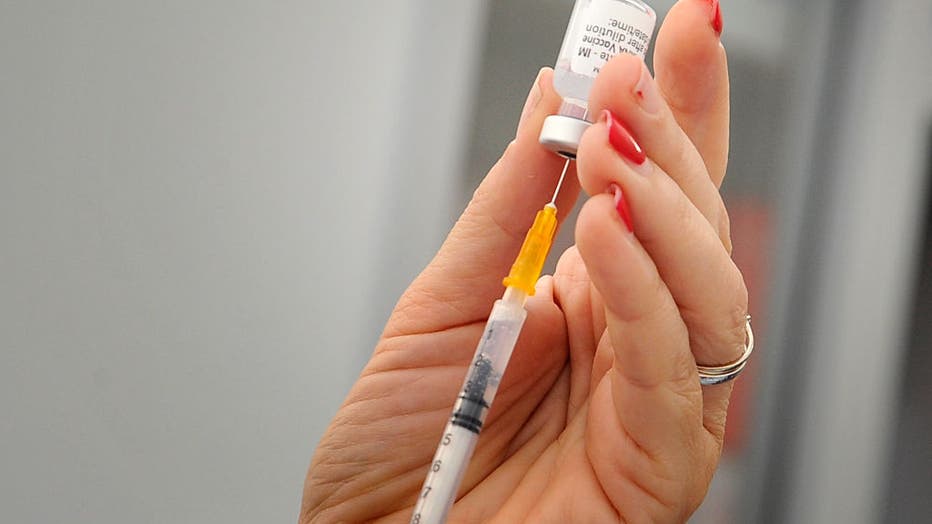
(683, 153)
(736, 335)
(722, 225)
(740, 293)
(679, 155)
(717, 335)
(681, 207)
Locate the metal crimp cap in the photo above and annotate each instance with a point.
(561, 134)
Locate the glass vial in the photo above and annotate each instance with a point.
(598, 30)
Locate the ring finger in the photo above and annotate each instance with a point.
(706, 285)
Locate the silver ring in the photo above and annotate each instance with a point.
(713, 375)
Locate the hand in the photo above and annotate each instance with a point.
(600, 417)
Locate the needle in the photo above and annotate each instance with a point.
(566, 167)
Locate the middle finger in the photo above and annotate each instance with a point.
(705, 283)
(626, 88)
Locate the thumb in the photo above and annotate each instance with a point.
(465, 276)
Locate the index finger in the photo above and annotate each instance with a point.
(692, 72)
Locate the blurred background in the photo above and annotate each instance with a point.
(208, 209)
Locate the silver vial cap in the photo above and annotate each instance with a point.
(561, 134)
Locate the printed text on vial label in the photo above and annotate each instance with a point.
(605, 34)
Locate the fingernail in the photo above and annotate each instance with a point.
(533, 98)
(621, 205)
(622, 140)
(647, 94)
(717, 24)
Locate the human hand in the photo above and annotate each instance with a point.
(600, 416)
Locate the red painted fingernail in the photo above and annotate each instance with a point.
(622, 140)
(717, 24)
(647, 94)
(621, 205)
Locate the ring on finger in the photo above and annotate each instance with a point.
(713, 375)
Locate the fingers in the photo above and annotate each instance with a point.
(465, 277)
(653, 369)
(626, 88)
(692, 73)
(707, 287)
(585, 323)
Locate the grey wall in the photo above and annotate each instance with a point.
(193, 203)
(208, 208)
(865, 262)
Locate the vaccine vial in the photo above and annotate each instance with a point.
(598, 30)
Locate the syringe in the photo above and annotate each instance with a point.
(485, 374)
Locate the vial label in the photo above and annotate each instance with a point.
(609, 27)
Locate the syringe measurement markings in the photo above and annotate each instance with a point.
(468, 423)
(468, 414)
(468, 418)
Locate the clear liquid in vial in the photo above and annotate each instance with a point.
(598, 30)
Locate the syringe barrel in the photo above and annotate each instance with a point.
(488, 365)
(471, 409)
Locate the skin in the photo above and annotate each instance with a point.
(600, 417)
